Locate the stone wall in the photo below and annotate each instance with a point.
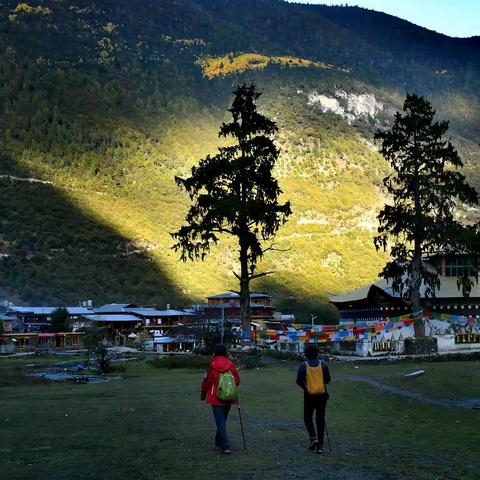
(421, 346)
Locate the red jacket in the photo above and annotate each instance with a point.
(210, 382)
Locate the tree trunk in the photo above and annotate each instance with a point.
(245, 295)
(416, 283)
(417, 260)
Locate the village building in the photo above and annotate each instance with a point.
(223, 311)
(112, 308)
(126, 321)
(59, 341)
(226, 306)
(120, 325)
(20, 342)
(39, 342)
(164, 322)
(39, 319)
(449, 316)
(116, 318)
(170, 329)
(280, 321)
(27, 328)
(11, 323)
(378, 302)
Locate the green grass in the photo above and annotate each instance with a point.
(152, 425)
(452, 380)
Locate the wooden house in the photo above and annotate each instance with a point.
(123, 320)
(378, 301)
(39, 319)
(227, 305)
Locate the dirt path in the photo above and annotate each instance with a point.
(467, 403)
(24, 179)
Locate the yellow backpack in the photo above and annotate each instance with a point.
(315, 384)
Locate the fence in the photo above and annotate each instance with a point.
(467, 338)
(385, 346)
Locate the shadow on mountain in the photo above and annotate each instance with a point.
(53, 252)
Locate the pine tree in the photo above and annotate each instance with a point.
(60, 323)
(425, 188)
(235, 193)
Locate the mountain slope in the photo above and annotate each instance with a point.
(108, 100)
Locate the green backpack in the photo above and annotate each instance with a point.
(227, 390)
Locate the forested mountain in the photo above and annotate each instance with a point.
(103, 102)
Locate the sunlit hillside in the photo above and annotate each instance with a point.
(103, 103)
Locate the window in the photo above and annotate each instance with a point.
(460, 265)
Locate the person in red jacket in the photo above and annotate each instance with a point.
(219, 364)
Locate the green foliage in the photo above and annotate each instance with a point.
(108, 102)
(285, 356)
(235, 193)
(60, 323)
(97, 340)
(142, 338)
(118, 368)
(323, 314)
(425, 186)
(183, 361)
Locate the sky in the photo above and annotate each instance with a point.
(456, 18)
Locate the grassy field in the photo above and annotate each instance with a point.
(151, 425)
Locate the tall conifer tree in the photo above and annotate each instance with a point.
(425, 188)
(235, 193)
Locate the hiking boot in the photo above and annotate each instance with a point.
(320, 449)
(313, 446)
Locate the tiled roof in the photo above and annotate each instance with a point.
(151, 312)
(114, 308)
(236, 295)
(237, 305)
(49, 310)
(448, 289)
(116, 317)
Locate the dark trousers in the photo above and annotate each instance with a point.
(220, 414)
(317, 404)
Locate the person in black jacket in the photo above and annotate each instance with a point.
(311, 378)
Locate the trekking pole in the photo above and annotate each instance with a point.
(241, 424)
(328, 438)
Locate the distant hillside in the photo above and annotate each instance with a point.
(104, 102)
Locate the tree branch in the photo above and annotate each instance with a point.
(258, 275)
(272, 248)
(223, 230)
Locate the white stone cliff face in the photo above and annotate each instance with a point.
(350, 106)
(326, 103)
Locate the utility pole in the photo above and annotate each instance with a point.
(222, 332)
(313, 317)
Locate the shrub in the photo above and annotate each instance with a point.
(181, 361)
(290, 356)
(121, 368)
